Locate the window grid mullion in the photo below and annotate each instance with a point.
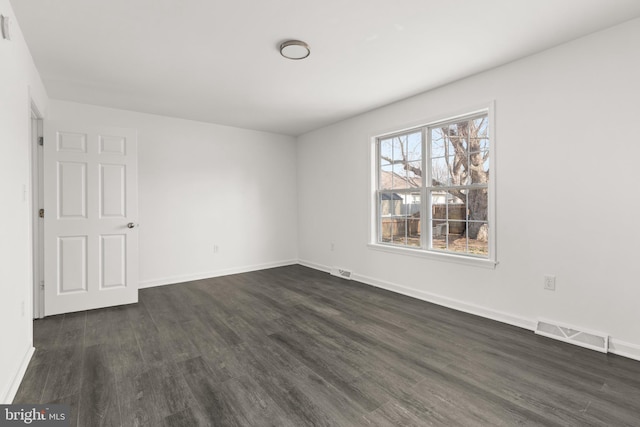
(426, 231)
(446, 219)
(466, 220)
(378, 194)
(466, 198)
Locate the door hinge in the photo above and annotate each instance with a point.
(41, 213)
(42, 285)
(41, 140)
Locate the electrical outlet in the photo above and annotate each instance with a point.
(333, 246)
(550, 283)
(215, 249)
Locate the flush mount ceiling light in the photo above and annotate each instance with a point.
(294, 49)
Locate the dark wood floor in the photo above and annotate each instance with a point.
(294, 347)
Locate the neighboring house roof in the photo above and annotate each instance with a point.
(393, 180)
(392, 196)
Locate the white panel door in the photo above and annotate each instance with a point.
(91, 214)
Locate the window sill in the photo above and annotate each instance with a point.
(436, 256)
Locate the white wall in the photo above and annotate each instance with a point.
(566, 134)
(19, 84)
(202, 185)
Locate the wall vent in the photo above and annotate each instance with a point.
(589, 339)
(339, 272)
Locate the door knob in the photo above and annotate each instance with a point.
(132, 225)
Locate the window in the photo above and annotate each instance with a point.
(433, 188)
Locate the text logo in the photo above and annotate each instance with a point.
(34, 415)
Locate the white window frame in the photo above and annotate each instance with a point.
(490, 261)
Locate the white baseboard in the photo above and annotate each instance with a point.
(208, 275)
(314, 266)
(7, 399)
(617, 347)
(624, 349)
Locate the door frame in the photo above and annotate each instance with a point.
(36, 131)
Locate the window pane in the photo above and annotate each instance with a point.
(439, 220)
(399, 179)
(455, 196)
(385, 229)
(452, 137)
(389, 207)
(439, 172)
(457, 217)
(398, 226)
(401, 161)
(456, 225)
(481, 144)
(397, 148)
(414, 174)
(485, 163)
(464, 175)
(437, 143)
(439, 240)
(457, 240)
(414, 147)
(458, 172)
(413, 207)
(385, 178)
(480, 245)
(389, 204)
(477, 228)
(400, 218)
(480, 127)
(438, 198)
(385, 152)
(478, 203)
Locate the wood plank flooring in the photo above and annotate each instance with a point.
(296, 347)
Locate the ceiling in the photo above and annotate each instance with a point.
(218, 61)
